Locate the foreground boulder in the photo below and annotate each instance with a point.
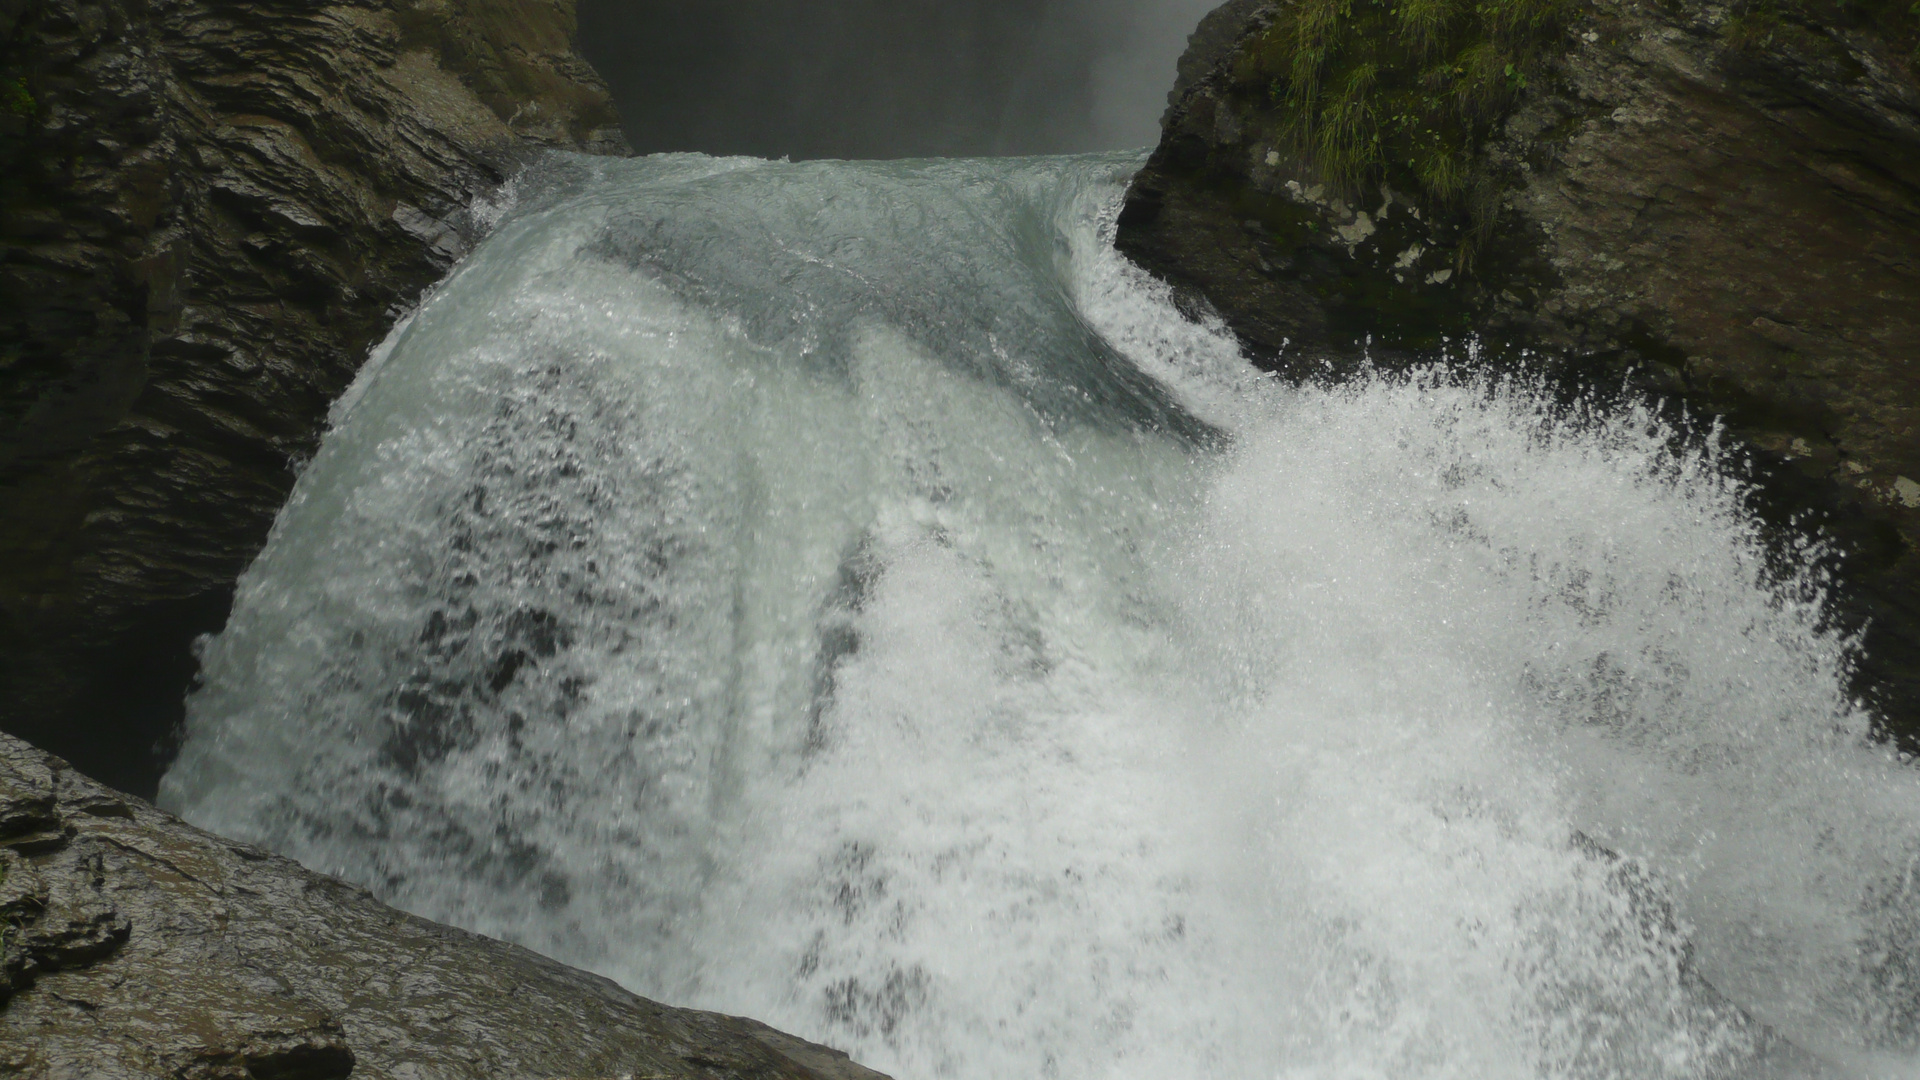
(1718, 203)
(135, 945)
(210, 210)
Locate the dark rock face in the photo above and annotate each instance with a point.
(1733, 221)
(209, 211)
(134, 945)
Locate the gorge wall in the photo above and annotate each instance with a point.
(1717, 204)
(209, 211)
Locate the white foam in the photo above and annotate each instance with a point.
(777, 587)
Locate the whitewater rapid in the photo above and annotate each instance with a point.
(850, 595)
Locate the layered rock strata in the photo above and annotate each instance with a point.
(210, 210)
(134, 945)
(1727, 219)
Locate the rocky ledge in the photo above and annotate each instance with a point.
(210, 210)
(135, 945)
(1717, 202)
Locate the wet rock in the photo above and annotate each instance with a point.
(210, 210)
(138, 946)
(1723, 218)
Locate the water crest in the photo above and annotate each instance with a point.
(852, 596)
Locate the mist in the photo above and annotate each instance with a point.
(888, 78)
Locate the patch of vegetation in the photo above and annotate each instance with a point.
(17, 111)
(15, 100)
(1405, 91)
(1767, 23)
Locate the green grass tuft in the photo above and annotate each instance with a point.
(1404, 91)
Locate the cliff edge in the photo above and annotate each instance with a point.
(210, 210)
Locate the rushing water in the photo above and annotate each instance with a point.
(852, 596)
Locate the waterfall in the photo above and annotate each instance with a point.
(851, 595)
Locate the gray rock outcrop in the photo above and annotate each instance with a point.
(135, 945)
(210, 210)
(1720, 202)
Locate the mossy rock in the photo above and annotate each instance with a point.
(1712, 205)
(1405, 92)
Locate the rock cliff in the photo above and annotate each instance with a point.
(209, 211)
(1719, 203)
(134, 945)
